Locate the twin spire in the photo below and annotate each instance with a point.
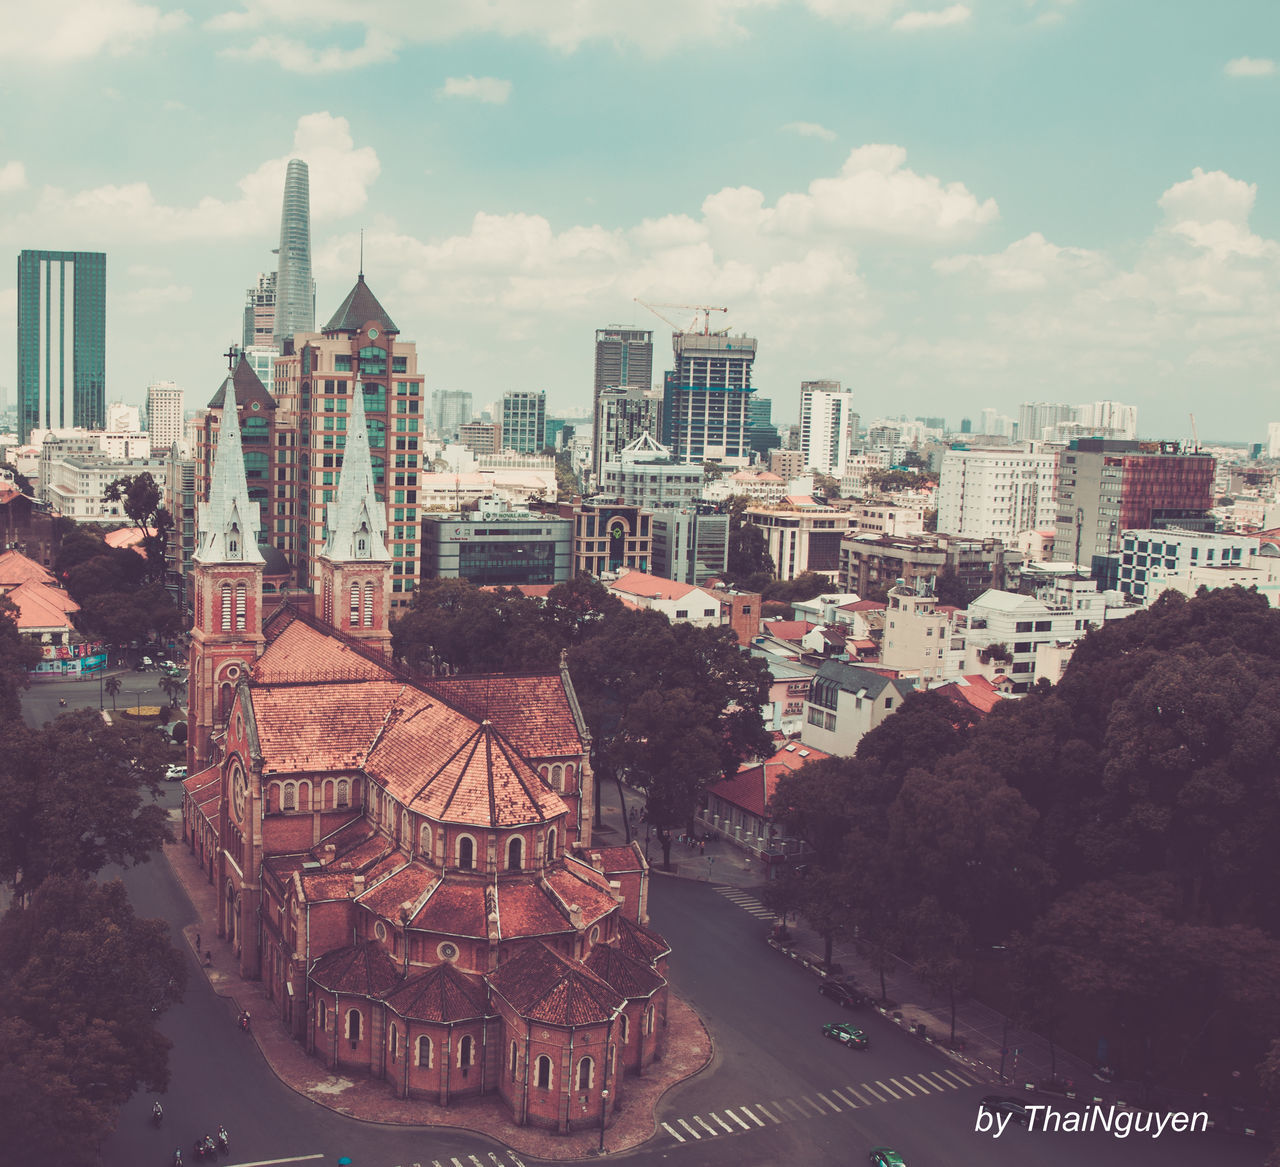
(228, 523)
(356, 523)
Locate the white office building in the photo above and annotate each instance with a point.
(1147, 558)
(164, 415)
(828, 427)
(998, 493)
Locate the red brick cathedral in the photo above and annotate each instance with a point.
(406, 863)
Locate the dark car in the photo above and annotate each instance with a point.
(1015, 1108)
(846, 1034)
(843, 993)
(886, 1157)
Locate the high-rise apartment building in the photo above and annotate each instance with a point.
(260, 313)
(1109, 419)
(524, 421)
(624, 359)
(164, 415)
(998, 493)
(622, 415)
(1107, 487)
(828, 426)
(1035, 417)
(123, 419)
(62, 340)
(295, 289)
(705, 414)
(764, 434)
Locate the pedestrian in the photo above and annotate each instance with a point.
(702, 845)
(197, 941)
(208, 959)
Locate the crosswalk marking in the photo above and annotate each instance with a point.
(847, 1101)
(675, 1134)
(959, 1078)
(747, 902)
(886, 1090)
(829, 1103)
(859, 1096)
(772, 1118)
(753, 1117)
(905, 1089)
(722, 1122)
(689, 1129)
(796, 1106)
(942, 1083)
(736, 1119)
(702, 1122)
(873, 1094)
(918, 1082)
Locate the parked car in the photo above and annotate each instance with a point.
(175, 773)
(1015, 1108)
(843, 993)
(144, 663)
(846, 1034)
(886, 1157)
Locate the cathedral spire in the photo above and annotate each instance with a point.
(228, 522)
(356, 520)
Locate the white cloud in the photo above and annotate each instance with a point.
(1250, 67)
(1211, 210)
(940, 18)
(1029, 264)
(487, 89)
(810, 130)
(295, 57)
(154, 300)
(13, 176)
(76, 30)
(340, 176)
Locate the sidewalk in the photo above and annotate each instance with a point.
(688, 1052)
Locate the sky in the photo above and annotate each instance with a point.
(945, 206)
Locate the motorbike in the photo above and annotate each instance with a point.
(244, 1021)
(177, 1158)
(224, 1140)
(157, 1114)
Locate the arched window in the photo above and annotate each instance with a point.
(515, 854)
(542, 1072)
(355, 605)
(353, 1024)
(648, 1020)
(328, 602)
(322, 1015)
(586, 1073)
(515, 1060)
(240, 608)
(290, 799)
(624, 1030)
(394, 1042)
(425, 842)
(344, 796)
(568, 778)
(225, 697)
(466, 853)
(466, 1053)
(557, 777)
(225, 626)
(551, 844)
(424, 1052)
(368, 605)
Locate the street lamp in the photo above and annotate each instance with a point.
(604, 1111)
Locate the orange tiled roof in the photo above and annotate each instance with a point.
(525, 909)
(640, 943)
(406, 883)
(296, 651)
(41, 606)
(16, 568)
(753, 787)
(654, 587)
(630, 977)
(541, 985)
(577, 883)
(364, 969)
(442, 994)
(531, 710)
(454, 908)
(319, 726)
(127, 537)
(615, 859)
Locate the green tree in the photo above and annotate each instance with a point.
(83, 982)
(826, 486)
(112, 686)
(749, 564)
(951, 589)
(143, 503)
(804, 586)
(17, 657)
(567, 484)
(174, 690)
(74, 800)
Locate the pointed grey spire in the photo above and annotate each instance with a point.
(228, 522)
(356, 520)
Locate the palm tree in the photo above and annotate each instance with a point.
(173, 689)
(112, 686)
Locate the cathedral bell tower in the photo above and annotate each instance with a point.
(226, 578)
(355, 566)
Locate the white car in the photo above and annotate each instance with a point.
(175, 773)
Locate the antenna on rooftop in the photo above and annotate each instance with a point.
(362, 253)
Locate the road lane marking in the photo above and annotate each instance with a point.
(675, 1134)
(829, 1103)
(736, 1119)
(688, 1128)
(905, 1089)
(886, 1090)
(849, 1102)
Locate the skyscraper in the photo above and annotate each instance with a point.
(524, 421)
(295, 289)
(450, 411)
(705, 397)
(62, 340)
(164, 415)
(828, 426)
(260, 313)
(624, 360)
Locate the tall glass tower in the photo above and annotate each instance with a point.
(295, 289)
(62, 340)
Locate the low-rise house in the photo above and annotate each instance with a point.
(679, 602)
(846, 702)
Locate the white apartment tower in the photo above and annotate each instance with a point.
(828, 427)
(164, 415)
(998, 493)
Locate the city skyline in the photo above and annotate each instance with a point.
(946, 208)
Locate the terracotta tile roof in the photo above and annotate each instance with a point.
(16, 568)
(130, 537)
(484, 781)
(976, 693)
(638, 583)
(640, 943)
(532, 711)
(525, 909)
(533, 591)
(295, 651)
(863, 606)
(364, 969)
(579, 883)
(41, 606)
(442, 994)
(615, 859)
(541, 985)
(454, 908)
(319, 727)
(786, 629)
(752, 787)
(407, 883)
(352, 833)
(630, 977)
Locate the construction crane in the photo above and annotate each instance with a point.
(705, 309)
